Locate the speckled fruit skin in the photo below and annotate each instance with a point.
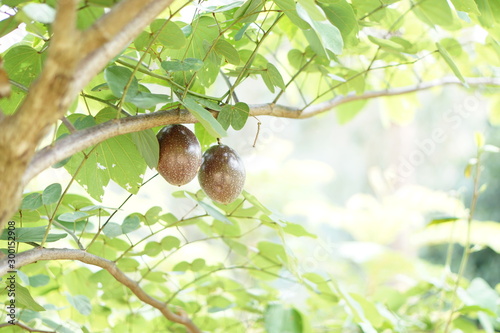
(180, 154)
(222, 174)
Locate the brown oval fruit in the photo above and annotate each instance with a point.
(222, 174)
(180, 154)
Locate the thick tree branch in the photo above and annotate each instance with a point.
(80, 140)
(37, 254)
(47, 101)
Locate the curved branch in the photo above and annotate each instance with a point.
(80, 140)
(328, 105)
(31, 256)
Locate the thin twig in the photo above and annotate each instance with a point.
(88, 137)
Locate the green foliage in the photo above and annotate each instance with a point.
(233, 268)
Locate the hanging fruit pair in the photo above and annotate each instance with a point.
(221, 172)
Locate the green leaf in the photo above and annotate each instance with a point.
(218, 303)
(447, 58)
(267, 80)
(204, 117)
(39, 280)
(170, 242)
(330, 35)
(23, 64)
(224, 8)
(234, 115)
(216, 214)
(386, 43)
(128, 265)
(224, 117)
(40, 12)
(443, 220)
(87, 16)
(81, 303)
(490, 11)
(181, 266)
(32, 201)
(104, 3)
(226, 50)
(275, 76)
(314, 278)
(239, 35)
(204, 31)
(256, 203)
(170, 36)
(240, 116)
(34, 234)
(289, 8)
(297, 230)
(249, 11)
(154, 276)
(51, 194)
(148, 146)
(73, 217)
(146, 100)
(117, 78)
(153, 215)
(130, 223)
(188, 64)
(198, 264)
(116, 158)
(468, 6)
(347, 112)
(435, 12)
(206, 140)
(112, 229)
(235, 246)
(208, 103)
(26, 216)
(278, 319)
(312, 10)
(475, 309)
(152, 249)
(341, 14)
(8, 25)
(479, 139)
(366, 310)
(273, 251)
(25, 300)
(169, 218)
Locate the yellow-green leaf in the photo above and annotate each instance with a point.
(228, 51)
(447, 58)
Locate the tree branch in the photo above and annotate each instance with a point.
(80, 140)
(46, 101)
(37, 254)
